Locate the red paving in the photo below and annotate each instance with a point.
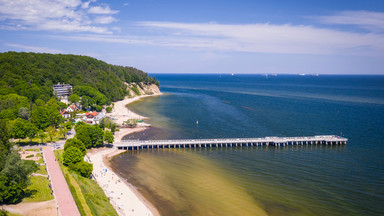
(67, 205)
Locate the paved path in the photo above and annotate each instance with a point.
(66, 203)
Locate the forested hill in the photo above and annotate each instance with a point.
(33, 74)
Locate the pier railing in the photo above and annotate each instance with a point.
(231, 142)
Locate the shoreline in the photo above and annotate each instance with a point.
(127, 201)
(121, 114)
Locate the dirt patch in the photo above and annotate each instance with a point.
(25, 154)
(34, 208)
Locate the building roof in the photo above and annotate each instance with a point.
(64, 112)
(93, 114)
(73, 106)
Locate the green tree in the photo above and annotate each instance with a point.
(51, 131)
(74, 98)
(83, 168)
(63, 131)
(72, 155)
(86, 102)
(90, 135)
(19, 128)
(24, 113)
(131, 122)
(39, 116)
(53, 112)
(68, 125)
(97, 136)
(10, 105)
(3, 212)
(62, 105)
(108, 109)
(31, 75)
(41, 135)
(108, 136)
(75, 143)
(83, 134)
(5, 145)
(14, 177)
(32, 131)
(113, 128)
(98, 97)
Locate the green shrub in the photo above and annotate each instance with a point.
(72, 155)
(135, 89)
(76, 143)
(83, 168)
(108, 109)
(29, 156)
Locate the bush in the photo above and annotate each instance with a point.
(72, 155)
(3, 212)
(31, 165)
(135, 89)
(75, 143)
(83, 168)
(29, 156)
(108, 109)
(98, 108)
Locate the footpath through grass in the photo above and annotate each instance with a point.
(89, 196)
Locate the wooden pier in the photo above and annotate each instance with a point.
(233, 142)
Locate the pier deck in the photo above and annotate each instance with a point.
(232, 142)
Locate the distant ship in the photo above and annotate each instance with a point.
(233, 74)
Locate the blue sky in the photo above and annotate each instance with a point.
(173, 36)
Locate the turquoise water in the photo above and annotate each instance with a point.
(309, 180)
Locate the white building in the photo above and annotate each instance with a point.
(62, 90)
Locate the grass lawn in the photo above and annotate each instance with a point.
(89, 196)
(40, 161)
(39, 190)
(42, 170)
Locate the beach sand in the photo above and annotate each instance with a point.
(123, 196)
(121, 114)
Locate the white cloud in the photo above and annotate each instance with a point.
(373, 21)
(85, 5)
(58, 15)
(265, 38)
(105, 19)
(101, 10)
(33, 48)
(108, 39)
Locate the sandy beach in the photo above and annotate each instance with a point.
(121, 114)
(124, 197)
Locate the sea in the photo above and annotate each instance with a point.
(286, 180)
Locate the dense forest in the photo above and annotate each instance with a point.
(33, 74)
(28, 108)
